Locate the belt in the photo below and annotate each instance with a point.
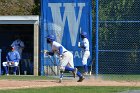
(85, 50)
(64, 51)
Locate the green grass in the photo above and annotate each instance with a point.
(12, 77)
(72, 89)
(112, 77)
(120, 77)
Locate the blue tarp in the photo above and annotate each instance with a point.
(66, 19)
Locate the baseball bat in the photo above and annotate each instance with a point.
(79, 37)
(91, 67)
(45, 51)
(51, 66)
(80, 34)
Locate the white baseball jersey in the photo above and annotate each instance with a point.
(55, 47)
(67, 58)
(85, 50)
(86, 44)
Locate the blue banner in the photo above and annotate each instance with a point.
(66, 19)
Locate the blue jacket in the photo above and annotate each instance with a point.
(13, 56)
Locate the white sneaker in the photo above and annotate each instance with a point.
(7, 74)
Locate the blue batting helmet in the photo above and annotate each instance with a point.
(83, 34)
(50, 38)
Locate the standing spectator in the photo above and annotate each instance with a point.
(18, 45)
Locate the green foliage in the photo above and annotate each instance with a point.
(36, 7)
(115, 9)
(17, 7)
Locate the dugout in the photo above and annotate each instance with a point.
(27, 27)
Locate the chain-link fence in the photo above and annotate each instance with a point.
(118, 36)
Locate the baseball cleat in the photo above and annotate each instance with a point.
(74, 72)
(81, 79)
(60, 80)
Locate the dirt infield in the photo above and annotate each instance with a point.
(14, 84)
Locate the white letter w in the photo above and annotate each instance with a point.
(69, 14)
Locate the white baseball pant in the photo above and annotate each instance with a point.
(67, 60)
(6, 64)
(86, 55)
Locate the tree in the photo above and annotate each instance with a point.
(16, 7)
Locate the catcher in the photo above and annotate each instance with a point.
(66, 58)
(12, 58)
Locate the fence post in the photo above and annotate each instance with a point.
(97, 31)
(0, 62)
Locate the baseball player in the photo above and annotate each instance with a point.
(84, 45)
(18, 45)
(66, 58)
(12, 58)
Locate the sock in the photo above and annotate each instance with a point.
(6, 70)
(15, 69)
(61, 74)
(79, 74)
(69, 69)
(85, 68)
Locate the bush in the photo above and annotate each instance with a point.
(17, 7)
